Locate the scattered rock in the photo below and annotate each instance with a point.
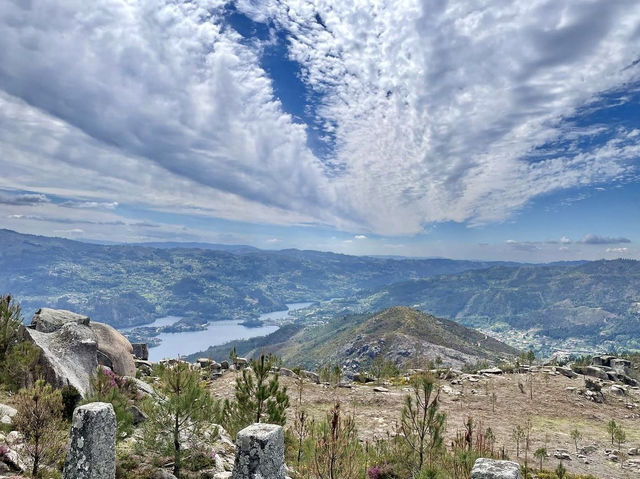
(138, 416)
(7, 410)
(143, 388)
(287, 372)
(491, 371)
(589, 449)
(380, 389)
(634, 451)
(260, 453)
(568, 372)
(162, 474)
(311, 376)
(140, 351)
(224, 364)
(12, 459)
(91, 453)
(562, 454)
(492, 469)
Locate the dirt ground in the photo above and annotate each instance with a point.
(555, 410)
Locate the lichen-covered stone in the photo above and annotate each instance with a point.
(260, 453)
(491, 469)
(92, 446)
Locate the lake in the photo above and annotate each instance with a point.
(217, 332)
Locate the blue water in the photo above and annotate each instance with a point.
(218, 332)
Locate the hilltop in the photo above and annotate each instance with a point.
(585, 307)
(401, 334)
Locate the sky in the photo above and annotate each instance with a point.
(496, 129)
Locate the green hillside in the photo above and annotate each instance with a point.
(405, 335)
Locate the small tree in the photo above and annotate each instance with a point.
(257, 397)
(20, 368)
(620, 437)
(39, 419)
(181, 417)
(611, 429)
(421, 423)
(576, 436)
(10, 320)
(108, 387)
(518, 434)
(336, 447)
(561, 471)
(540, 454)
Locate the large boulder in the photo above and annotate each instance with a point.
(491, 469)
(47, 320)
(68, 355)
(72, 347)
(114, 350)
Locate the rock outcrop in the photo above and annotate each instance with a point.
(492, 469)
(260, 453)
(92, 445)
(114, 350)
(72, 346)
(68, 354)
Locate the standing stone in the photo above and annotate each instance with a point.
(491, 469)
(92, 446)
(259, 453)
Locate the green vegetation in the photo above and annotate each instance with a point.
(182, 417)
(259, 397)
(109, 387)
(421, 424)
(10, 320)
(127, 285)
(39, 419)
(351, 337)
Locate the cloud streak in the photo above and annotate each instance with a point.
(436, 111)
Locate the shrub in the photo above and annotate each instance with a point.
(39, 419)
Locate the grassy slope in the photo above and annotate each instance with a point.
(315, 344)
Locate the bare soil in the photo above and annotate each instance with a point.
(554, 411)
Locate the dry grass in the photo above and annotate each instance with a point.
(554, 412)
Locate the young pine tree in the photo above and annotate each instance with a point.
(39, 419)
(181, 417)
(421, 423)
(10, 320)
(336, 448)
(258, 397)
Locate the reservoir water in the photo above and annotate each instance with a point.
(218, 332)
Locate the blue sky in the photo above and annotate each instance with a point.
(498, 130)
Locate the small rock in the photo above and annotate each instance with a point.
(162, 474)
(491, 469)
(380, 389)
(7, 410)
(138, 416)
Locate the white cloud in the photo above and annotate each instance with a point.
(434, 107)
(616, 250)
(360, 237)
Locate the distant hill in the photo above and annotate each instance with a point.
(595, 304)
(407, 336)
(126, 285)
